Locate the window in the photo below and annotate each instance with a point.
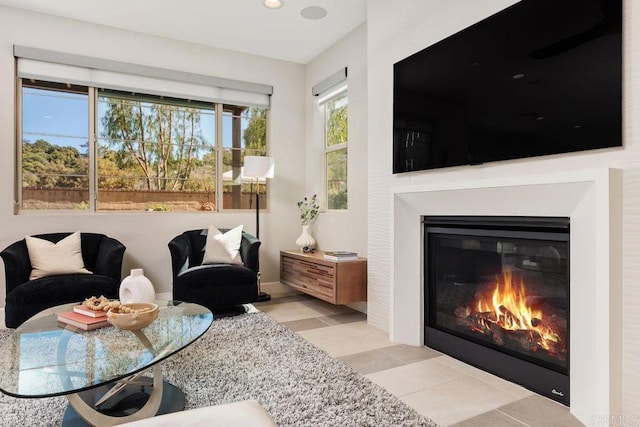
(150, 153)
(244, 133)
(55, 147)
(334, 108)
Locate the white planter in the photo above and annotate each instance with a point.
(137, 288)
(306, 240)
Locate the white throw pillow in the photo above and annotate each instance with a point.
(48, 258)
(223, 248)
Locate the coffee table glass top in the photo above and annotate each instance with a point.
(42, 358)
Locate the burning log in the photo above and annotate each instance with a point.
(498, 334)
(528, 342)
(557, 323)
(483, 321)
(505, 319)
(462, 312)
(508, 318)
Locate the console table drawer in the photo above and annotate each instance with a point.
(337, 283)
(310, 277)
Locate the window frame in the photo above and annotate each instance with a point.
(264, 193)
(93, 139)
(324, 99)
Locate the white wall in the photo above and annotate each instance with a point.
(146, 234)
(395, 32)
(340, 230)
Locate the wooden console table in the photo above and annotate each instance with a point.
(335, 282)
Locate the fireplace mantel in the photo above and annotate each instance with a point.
(593, 202)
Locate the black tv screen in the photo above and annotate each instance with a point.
(540, 77)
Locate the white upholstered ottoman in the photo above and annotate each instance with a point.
(247, 413)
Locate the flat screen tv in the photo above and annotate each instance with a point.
(540, 77)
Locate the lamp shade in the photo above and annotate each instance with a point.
(258, 167)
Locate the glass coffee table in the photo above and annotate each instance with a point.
(101, 372)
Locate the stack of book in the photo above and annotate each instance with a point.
(84, 318)
(340, 256)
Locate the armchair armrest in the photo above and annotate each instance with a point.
(249, 247)
(109, 258)
(17, 265)
(180, 248)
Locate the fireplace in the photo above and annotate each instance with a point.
(592, 199)
(497, 296)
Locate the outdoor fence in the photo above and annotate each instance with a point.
(126, 200)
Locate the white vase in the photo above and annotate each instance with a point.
(137, 288)
(305, 240)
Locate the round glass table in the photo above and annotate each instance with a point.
(101, 372)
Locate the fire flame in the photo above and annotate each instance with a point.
(509, 304)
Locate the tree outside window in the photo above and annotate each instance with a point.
(336, 139)
(154, 155)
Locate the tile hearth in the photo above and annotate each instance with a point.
(438, 386)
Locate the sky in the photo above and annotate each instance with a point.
(55, 113)
(66, 114)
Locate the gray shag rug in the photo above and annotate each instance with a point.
(253, 357)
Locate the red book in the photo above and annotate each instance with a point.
(81, 321)
(83, 309)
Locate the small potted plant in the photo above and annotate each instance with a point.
(309, 210)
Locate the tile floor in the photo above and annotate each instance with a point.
(438, 386)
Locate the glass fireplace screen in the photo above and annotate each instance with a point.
(506, 289)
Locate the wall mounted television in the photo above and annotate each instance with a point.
(540, 77)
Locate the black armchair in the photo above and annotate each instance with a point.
(102, 256)
(219, 287)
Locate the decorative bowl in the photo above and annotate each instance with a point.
(134, 321)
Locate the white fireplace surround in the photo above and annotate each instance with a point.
(593, 202)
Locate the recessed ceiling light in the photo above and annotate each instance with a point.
(313, 12)
(274, 4)
(518, 76)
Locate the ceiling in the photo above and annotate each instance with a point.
(239, 25)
